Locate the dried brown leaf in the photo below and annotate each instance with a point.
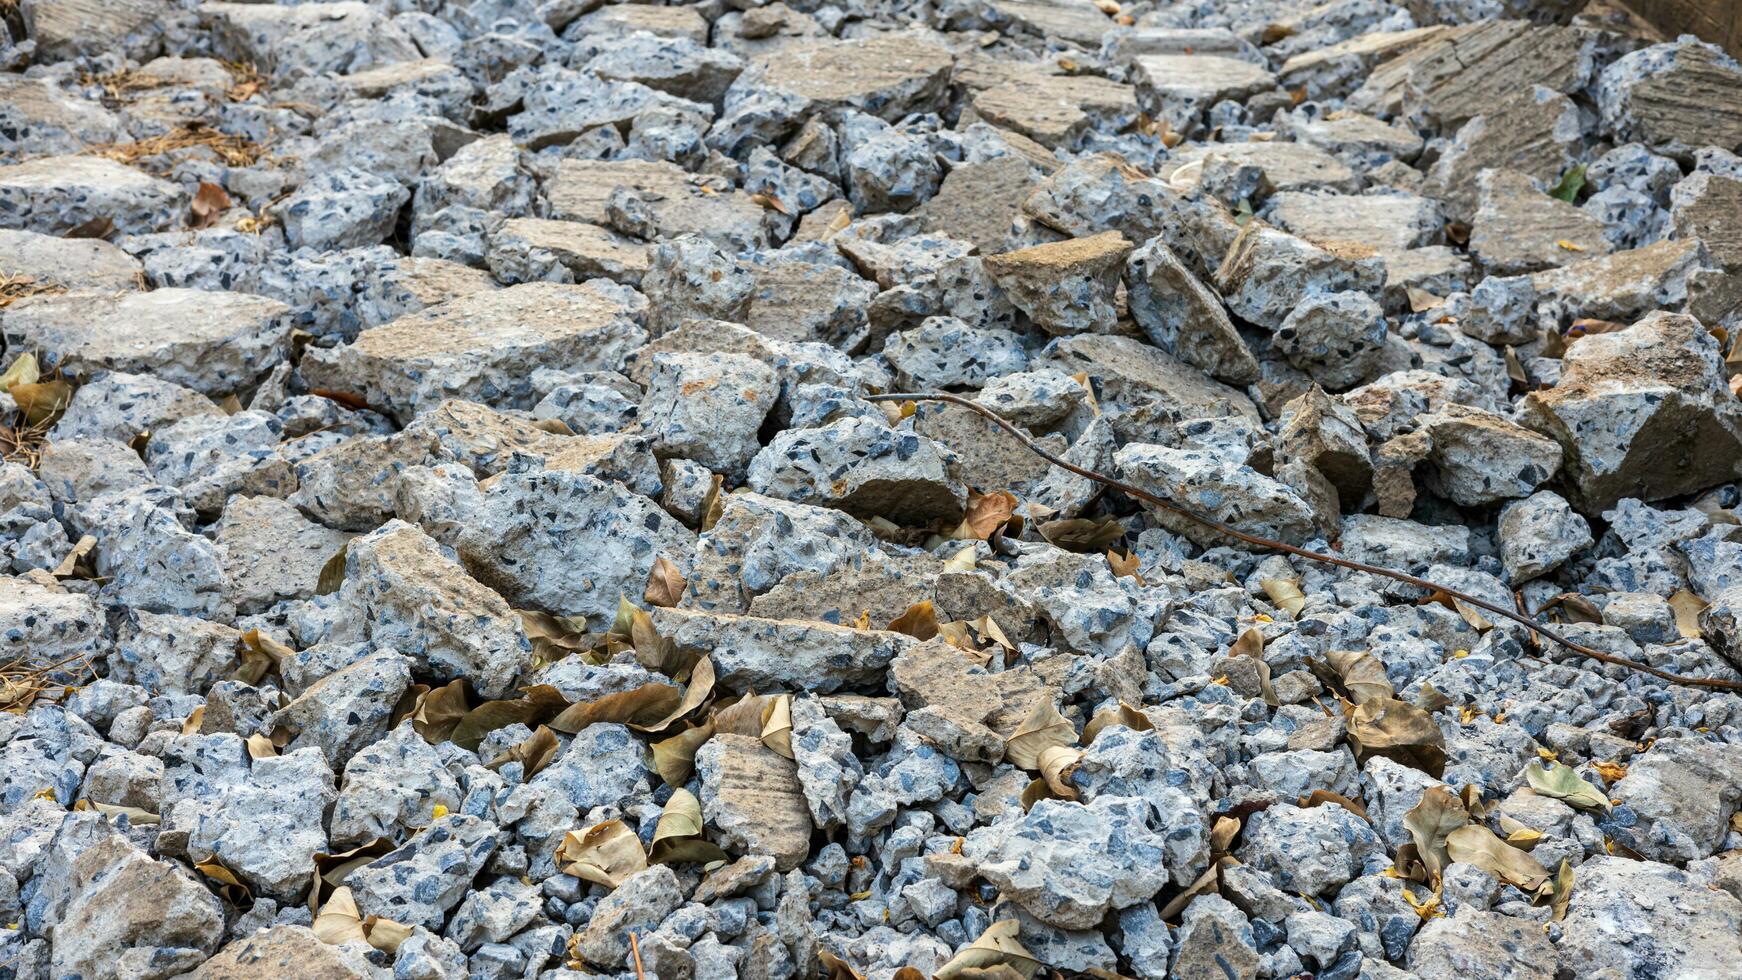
(1429, 822)
(986, 515)
(996, 947)
(674, 758)
(607, 853)
(665, 584)
(209, 204)
(641, 707)
(1399, 731)
(1082, 535)
(1044, 728)
(920, 621)
(1477, 845)
(1120, 714)
(677, 838)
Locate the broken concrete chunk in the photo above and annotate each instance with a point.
(769, 653)
(1183, 317)
(1643, 412)
(864, 467)
(1065, 287)
(1518, 228)
(416, 600)
(216, 343)
(480, 347)
(753, 797)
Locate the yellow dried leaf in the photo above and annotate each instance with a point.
(777, 726)
(608, 853)
(677, 838)
(1285, 593)
(1611, 771)
(996, 948)
(1570, 246)
(1044, 728)
(24, 370)
(961, 561)
(920, 621)
(1120, 714)
(1687, 608)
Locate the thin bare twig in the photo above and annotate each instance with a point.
(635, 947)
(1307, 553)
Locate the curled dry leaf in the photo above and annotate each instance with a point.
(1357, 676)
(538, 703)
(665, 584)
(986, 515)
(1399, 731)
(836, 968)
(1083, 535)
(136, 816)
(1477, 845)
(533, 752)
(1286, 593)
(1319, 797)
(640, 707)
(1044, 728)
(1121, 714)
(229, 885)
(333, 572)
(438, 710)
(1208, 883)
(677, 838)
(261, 747)
(996, 947)
(1571, 607)
(191, 724)
(1559, 890)
(777, 726)
(1251, 644)
(338, 921)
(607, 853)
(656, 652)
(78, 562)
(962, 561)
(42, 402)
(1561, 782)
(712, 504)
(920, 621)
(1429, 822)
(24, 370)
(1222, 834)
(674, 758)
(261, 655)
(331, 870)
(1056, 765)
(1127, 566)
(209, 204)
(1687, 608)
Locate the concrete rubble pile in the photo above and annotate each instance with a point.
(446, 530)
